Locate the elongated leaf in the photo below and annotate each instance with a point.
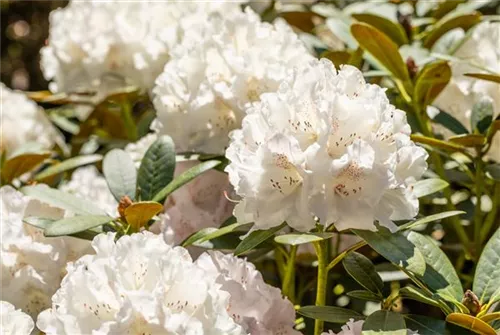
(470, 322)
(490, 317)
(138, 214)
(184, 178)
(68, 164)
(18, 165)
(208, 234)
(63, 200)
(42, 223)
(437, 143)
(337, 57)
(494, 171)
(484, 76)
(440, 275)
(487, 277)
(119, 170)
(76, 224)
(448, 23)
(430, 218)
(393, 30)
(396, 248)
(363, 271)
(450, 123)
(296, 239)
(425, 187)
(255, 238)
(302, 20)
(384, 322)
(365, 295)
(414, 293)
(431, 80)
(482, 115)
(425, 325)
(469, 140)
(157, 168)
(330, 313)
(382, 48)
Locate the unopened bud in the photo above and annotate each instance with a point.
(471, 301)
(412, 67)
(125, 201)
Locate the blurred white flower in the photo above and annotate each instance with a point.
(108, 43)
(86, 182)
(138, 149)
(32, 265)
(14, 322)
(327, 145)
(350, 328)
(23, 121)
(221, 68)
(138, 285)
(258, 307)
(478, 53)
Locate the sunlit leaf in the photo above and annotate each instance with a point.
(484, 76)
(430, 81)
(296, 239)
(482, 115)
(337, 57)
(255, 238)
(487, 277)
(427, 219)
(472, 323)
(414, 293)
(305, 21)
(75, 224)
(469, 140)
(138, 214)
(446, 24)
(120, 173)
(393, 30)
(67, 165)
(429, 186)
(430, 326)
(490, 317)
(19, 165)
(449, 146)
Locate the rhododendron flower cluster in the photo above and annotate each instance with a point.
(14, 321)
(326, 145)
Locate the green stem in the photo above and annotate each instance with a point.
(341, 256)
(490, 218)
(477, 211)
(288, 286)
(321, 252)
(128, 119)
(438, 164)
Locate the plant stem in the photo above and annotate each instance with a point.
(477, 210)
(490, 218)
(288, 286)
(341, 256)
(321, 252)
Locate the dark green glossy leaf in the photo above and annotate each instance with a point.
(429, 326)
(363, 271)
(450, 123)
(384, 322)
(365, 295)
(414, 293)
(482, 115)
(330, 313)
(255, 238)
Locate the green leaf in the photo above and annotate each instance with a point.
(425, 325)
(440, 275)
(425, 187)
(430, 81)
(64, 123)
(396, 248)
(470, 322)
(382, 48)
(184, 178)
(18, 165)
(296, 239)
(138, 214)
(427, 219)
(66, 165)
(337, 57)
(384, 322)
(255, 238)
(157, 168)
(494, 171)
(42, 223)
(393, 30)
(437, 143)
(490, 317)
(363, 271)
(487, 277)
(60, 199)
(469, 140)
(365, 295)
(414, 293)
(75, 225)
(450, 123)
(484, 76)
(482, 115)
(120, 173)
(448, 23)
(207, 234)
(330, 314)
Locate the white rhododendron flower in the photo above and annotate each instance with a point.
(260, 308)
(478, 53)
(138, 149)
(108, 43)
(32, 265)
(138, 285)
(87, 183)
(23, 121)
(329, 145)
(218, 71)
(350, 328)
(14, 322)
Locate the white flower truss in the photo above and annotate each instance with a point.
(462, 93)
(258, 307)
(86, 182)
(14, 322)
(32, 265)
(221, 68)
(138, 285)
(106, 43)
(23, 121)
(326, 145)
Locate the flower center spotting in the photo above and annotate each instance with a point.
(286, 178)
(348, 181)
(255, 88)
(225, 119)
